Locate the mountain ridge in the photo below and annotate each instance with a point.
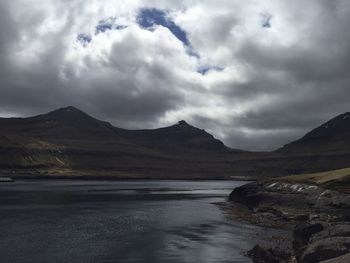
(69, 142)
(68, 139)
(331, 136)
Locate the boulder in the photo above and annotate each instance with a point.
(303, 232)
(248, 194)
(279, 194)
(342, 259)
(332, 199)
(336, 230)
(267, 255)
(325, 249)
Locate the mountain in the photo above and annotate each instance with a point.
(69, 141)
(331, 137)
(62, 123)
(178, 138)
(70, 126)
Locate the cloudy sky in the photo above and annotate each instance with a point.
(256, 74)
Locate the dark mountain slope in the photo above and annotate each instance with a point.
(331, 137)
(70, 140)
(178, 138)
(66, 123)
(66, 138)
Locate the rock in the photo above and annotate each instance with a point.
(345, 216)
(270, 210)
(303, 232)
(253, 195)
(6, 179)
(262, 255)
(325, 239)
(247, 195)
(256, 194)
(289, 188)
(336, 230)
(325, 249)
(300, 217)
(342, 259)
(332, 199)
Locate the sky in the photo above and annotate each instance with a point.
(256, 74)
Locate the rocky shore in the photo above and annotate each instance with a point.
(318, 219)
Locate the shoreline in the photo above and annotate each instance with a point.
(317, 219)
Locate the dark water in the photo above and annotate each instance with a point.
(129, 221)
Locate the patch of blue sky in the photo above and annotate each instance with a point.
(266, 20)
(84, 39)
(150, 17)
(102, 26)
(108, 24)
(205, 69)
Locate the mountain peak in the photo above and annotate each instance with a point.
(183, 123)
(345, 116)
(179, 137)
(69, 114)
(70, 108)
(334, 127)
(66, 110)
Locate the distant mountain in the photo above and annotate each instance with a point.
(331, 137)
(178, 138)
(62, 123)
(68, 139)
(68, 125)
(69, 142)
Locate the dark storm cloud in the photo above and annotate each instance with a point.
(236, 134)
(130, 103)
(144, 108)
(8, 30)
